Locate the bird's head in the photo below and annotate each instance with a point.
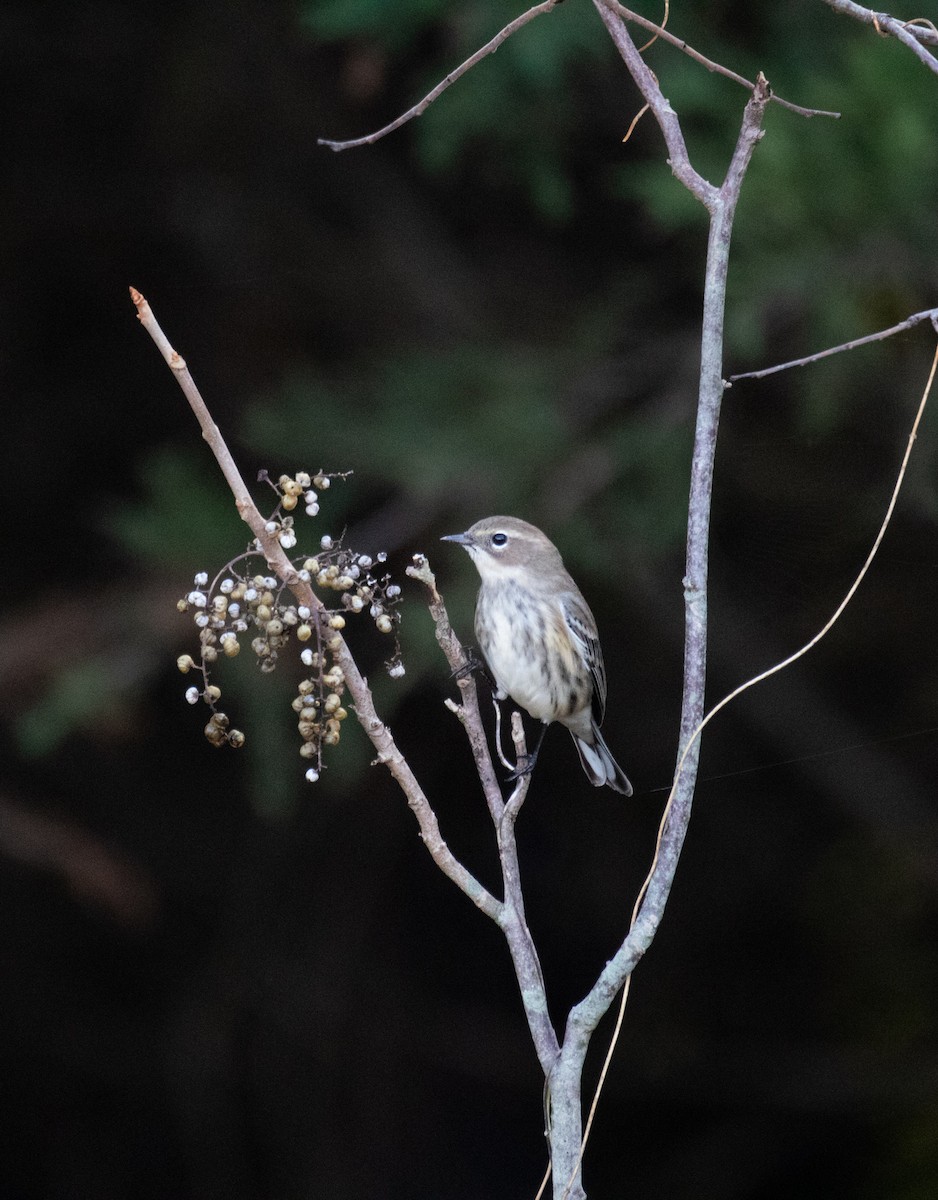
(503, 546)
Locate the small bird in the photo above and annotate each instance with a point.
(539, 638)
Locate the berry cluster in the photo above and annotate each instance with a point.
(239, 603)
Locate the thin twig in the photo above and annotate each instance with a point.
(210, 431)
(659, 29)
(419, 109)
(630, 953)
(507, 914)
(915, 34)
(518, 23)
(544, 1182)
(717, 68)
(664, 114)
(511, 919)
(743, 687)
(890, 508)
(468, 712)
(517, 797)
(498, 734)
(377, 731)
(929, 314)
(514, 923)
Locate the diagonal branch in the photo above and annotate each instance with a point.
(468, 712)
(378, 733)
(915, 34)
(514, 924)
(664, 114)
(419, 109)
(518, 23)
(507, 914)
(511, 919)
(715, 67)
(930, 314)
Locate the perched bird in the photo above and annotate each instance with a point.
(539, 637)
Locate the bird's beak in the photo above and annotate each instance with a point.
(461, 539)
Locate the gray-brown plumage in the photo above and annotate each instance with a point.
(539, 637)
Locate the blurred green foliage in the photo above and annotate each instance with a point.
(833, 212)
(420, 418)
(825, 246)
(487, 427)
(513, 117)
(184, 516)
(82, 695)
(429, 427)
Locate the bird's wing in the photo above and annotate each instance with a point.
(582, 629)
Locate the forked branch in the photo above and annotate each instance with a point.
(378, 733)
(916, 34)
(524, 19)
(508, 914)
(714, 67)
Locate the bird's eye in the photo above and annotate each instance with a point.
(499, 539)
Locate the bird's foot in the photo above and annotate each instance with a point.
(524, 766)
(472, 665)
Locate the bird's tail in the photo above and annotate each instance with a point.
(600, 767)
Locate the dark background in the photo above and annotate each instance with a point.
(221, 981)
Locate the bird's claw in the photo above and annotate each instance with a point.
(524, 766)
(473, 664)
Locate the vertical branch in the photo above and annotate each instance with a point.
(697, 562)
(510, 914)
(460, 664)
(709, 403)
(513, 923)
(585, 1016)
(525, 960)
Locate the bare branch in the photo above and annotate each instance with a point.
(517, 797)
(698, 530)
(505, 829)
(579, 1024)
(518, 23)
(565, 1076)
(930, 314)
(650, 904)
(838, 612)
(915, 34)
(210, 430)
(419, 109)
(468, 712)
(377, 731)
(514, 924)
(512, 919)
(680, 44)
(664, 114)
(508, 914)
